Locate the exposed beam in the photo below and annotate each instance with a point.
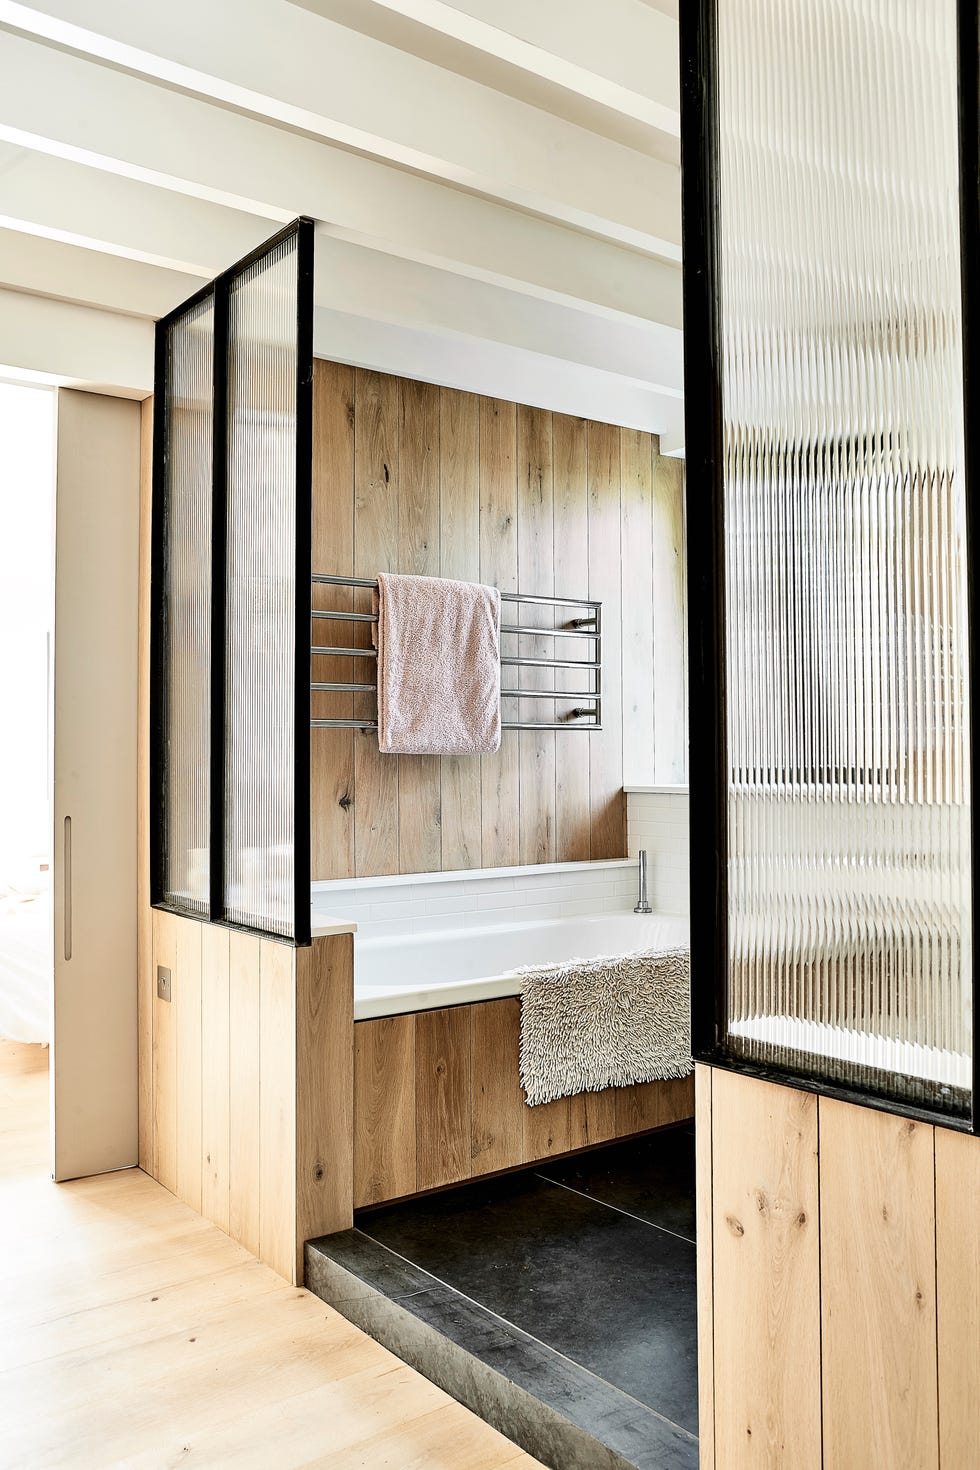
(70, 107)
(54, 342)
(275, 60)
(90, 277)
(364, 283)
(498, 371)
(612, 67)
(59, 200)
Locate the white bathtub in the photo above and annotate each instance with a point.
(419, 972)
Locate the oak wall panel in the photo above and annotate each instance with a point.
(413, 478)
(244, 1080)
(500, 773)
(570, 445)
(385, 1125)
(958, 1296)
(705, 1267)
(535, 574)
(215, 1076)
(766, 1275)
(459, 557)
(443, 1068)
(878, 1266)
(605, 582)
(332, 751)
(497, 1135)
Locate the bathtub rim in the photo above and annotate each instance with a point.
(478, 988)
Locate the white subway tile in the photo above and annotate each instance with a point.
(455, 905)
(506, 900)
(541, 911)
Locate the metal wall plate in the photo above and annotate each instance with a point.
(164, 982)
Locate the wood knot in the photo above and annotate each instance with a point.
(761, 1201)
(319, 1173)
(346, 801)
(735, 1226)
(387, 475)
(884, 1212)
(801, 1218)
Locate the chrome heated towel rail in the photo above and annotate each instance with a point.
(585, 622)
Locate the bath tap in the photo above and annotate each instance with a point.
(643, 904)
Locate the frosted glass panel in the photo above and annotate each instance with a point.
(850, 944)
(260, 653)
(185, 628)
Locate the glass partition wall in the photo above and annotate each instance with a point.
(829, 250)
(231, 595)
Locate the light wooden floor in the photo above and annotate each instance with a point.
(134, 1333)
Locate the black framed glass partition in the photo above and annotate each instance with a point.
(231, 595)
(830, 234)
(181, 634)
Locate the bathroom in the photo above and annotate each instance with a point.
(414, 1065)
(459, 870)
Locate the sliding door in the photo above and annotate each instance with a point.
(93, 1052)
(830, 206)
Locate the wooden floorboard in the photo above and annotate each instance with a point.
(138, 1334)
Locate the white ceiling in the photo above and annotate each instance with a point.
(495, 181)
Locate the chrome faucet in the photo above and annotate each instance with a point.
(643, 905)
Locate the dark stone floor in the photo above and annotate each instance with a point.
(570, 1286)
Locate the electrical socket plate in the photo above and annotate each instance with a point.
(163, 983)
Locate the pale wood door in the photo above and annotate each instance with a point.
(94, 1039)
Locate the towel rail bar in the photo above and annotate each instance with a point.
(504, 725)
(570, 632)
(330, 579)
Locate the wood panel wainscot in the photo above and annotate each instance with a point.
(839, 1283)
(438, 1100)
(249, 1095)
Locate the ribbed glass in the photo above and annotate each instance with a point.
(186, 632)
(260, 642)
(850, 944)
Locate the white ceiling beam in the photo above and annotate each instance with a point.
(58, 343)
(498, 371)
(58, 200)
(275, 60)
(70, 107)
(363, 283)
(602, 66)
(66, 272)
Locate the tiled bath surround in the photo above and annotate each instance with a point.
(657, 820)
(406, 904)
(425, 903)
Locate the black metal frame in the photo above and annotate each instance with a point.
(706, 544)
(220, 288)
(159, 554)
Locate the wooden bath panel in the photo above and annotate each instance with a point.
(437, 1100)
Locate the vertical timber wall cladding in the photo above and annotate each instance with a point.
(415, 478)
(839, 1284)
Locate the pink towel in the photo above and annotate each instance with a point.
(438, 647)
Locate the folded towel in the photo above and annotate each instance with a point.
(605, 1022)
(438, 647)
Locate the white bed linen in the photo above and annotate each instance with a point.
(26, 965)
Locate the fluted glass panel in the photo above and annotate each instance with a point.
(260, 666)
(185, 668)
(850, 944)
